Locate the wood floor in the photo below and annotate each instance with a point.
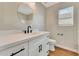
(62, 52)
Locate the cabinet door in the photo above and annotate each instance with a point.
(34, 49)
(39, 46)
(45, 46)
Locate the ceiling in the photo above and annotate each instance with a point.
(48, 4)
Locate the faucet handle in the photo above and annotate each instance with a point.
(24, 31)
(30, 31)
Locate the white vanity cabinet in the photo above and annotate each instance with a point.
(32, 45)
(38, 46)
(18, 50)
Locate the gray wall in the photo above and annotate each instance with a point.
(8, 16)
(69, 39)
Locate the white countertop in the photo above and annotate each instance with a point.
(9, 40)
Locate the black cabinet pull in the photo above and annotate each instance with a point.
(40, 48)
(17, 52)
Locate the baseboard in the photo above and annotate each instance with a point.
(67, 48)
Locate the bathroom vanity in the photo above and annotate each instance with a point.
(20, 44)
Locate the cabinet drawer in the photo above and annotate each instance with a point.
(23, 47)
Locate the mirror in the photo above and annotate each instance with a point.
(25, 13)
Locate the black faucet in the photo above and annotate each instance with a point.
(28, 29)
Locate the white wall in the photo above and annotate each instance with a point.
(69, 39)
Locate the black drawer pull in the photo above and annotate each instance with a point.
(17, 52)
